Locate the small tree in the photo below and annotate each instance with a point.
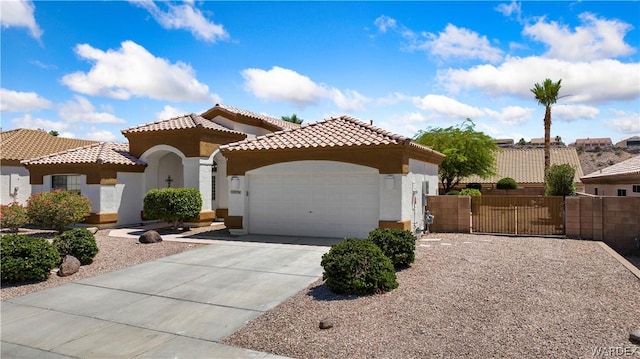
(468, 152)
(57, 209)
(559, 180)
(172, 204)
(293, 119)
(507, 183)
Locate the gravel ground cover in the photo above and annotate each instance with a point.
(468, 297)
(114, 254)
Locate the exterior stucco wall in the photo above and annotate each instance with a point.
(611, 189)
(128, 197)
(14, 185)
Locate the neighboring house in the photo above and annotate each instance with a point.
(504, 142)
(631, 142)
(539, 142)
(592, 142)
(21, 144)
(621, 179)
(335, 178)
(526, 167)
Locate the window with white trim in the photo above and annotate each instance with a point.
(636, 188)
(69, 183)
(622, 193)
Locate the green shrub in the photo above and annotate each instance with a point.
(453, 192)
(57, 209)
(78, 242)
(470, 192)
(474, 185)
(13, 216)
(507, 183)
(559, 180)
(358, 266)
(26, 259)
(172, 204)
(396, 244)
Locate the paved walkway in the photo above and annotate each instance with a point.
(175, 307)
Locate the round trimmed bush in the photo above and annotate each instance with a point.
(57, 209)
(396, 244)
(172, 204)
(26, 259)
(78, 242)
(358, 266)
(507, 183)
(470, 192)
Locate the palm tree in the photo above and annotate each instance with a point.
(293, 118)
(547, 95)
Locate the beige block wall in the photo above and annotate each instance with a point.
(452, 213)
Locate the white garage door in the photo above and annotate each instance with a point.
(314, 204)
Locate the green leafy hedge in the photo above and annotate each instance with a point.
(57, 209)
(78, 242)
(13, 216)
(172, 204)
(358, 266)
(26, 258)
(398, 245)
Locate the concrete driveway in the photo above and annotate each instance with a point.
(176, 307)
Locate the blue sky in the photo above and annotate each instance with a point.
(89, 69)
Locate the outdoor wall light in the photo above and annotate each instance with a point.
(390, 182)
(235, 183)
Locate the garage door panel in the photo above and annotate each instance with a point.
(312, 204)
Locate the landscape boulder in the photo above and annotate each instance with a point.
(634, 336)
(326, 323)
(70, 265)
(150, 236)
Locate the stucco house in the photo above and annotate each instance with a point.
(526, 167)
(621, 179)
(335, 178)
(21, 144)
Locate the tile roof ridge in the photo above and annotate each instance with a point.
(70, 150)
(378, 130)
(154, 122)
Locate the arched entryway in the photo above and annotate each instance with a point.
(164, 167)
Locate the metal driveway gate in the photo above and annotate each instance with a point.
(519, 215)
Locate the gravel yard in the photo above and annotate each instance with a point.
(468, 296)
(114, 254)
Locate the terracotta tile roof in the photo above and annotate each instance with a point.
(341, 131)
(527, 165)
(283, 125)
(628, 167)
(179, 123)
(21, 144)
(97, 153)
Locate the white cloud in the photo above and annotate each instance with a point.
(383, 23)
(133, 71)
(447, 107)
(595, 39)
(101, 135)
(596, 82)
(458, 42)
(393, 99)
(453, 42)
(625, 122)
(571, 113)
(80, 109)
(19, 13)
(28, 121)
(511, 115)
(169, 112)
(14, 101)
(513, 8)
(185, 16)
(280, 84)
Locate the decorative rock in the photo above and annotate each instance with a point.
(93, 230)
(326, 323)
(634, 336)
(150, 236)
(69, 266)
